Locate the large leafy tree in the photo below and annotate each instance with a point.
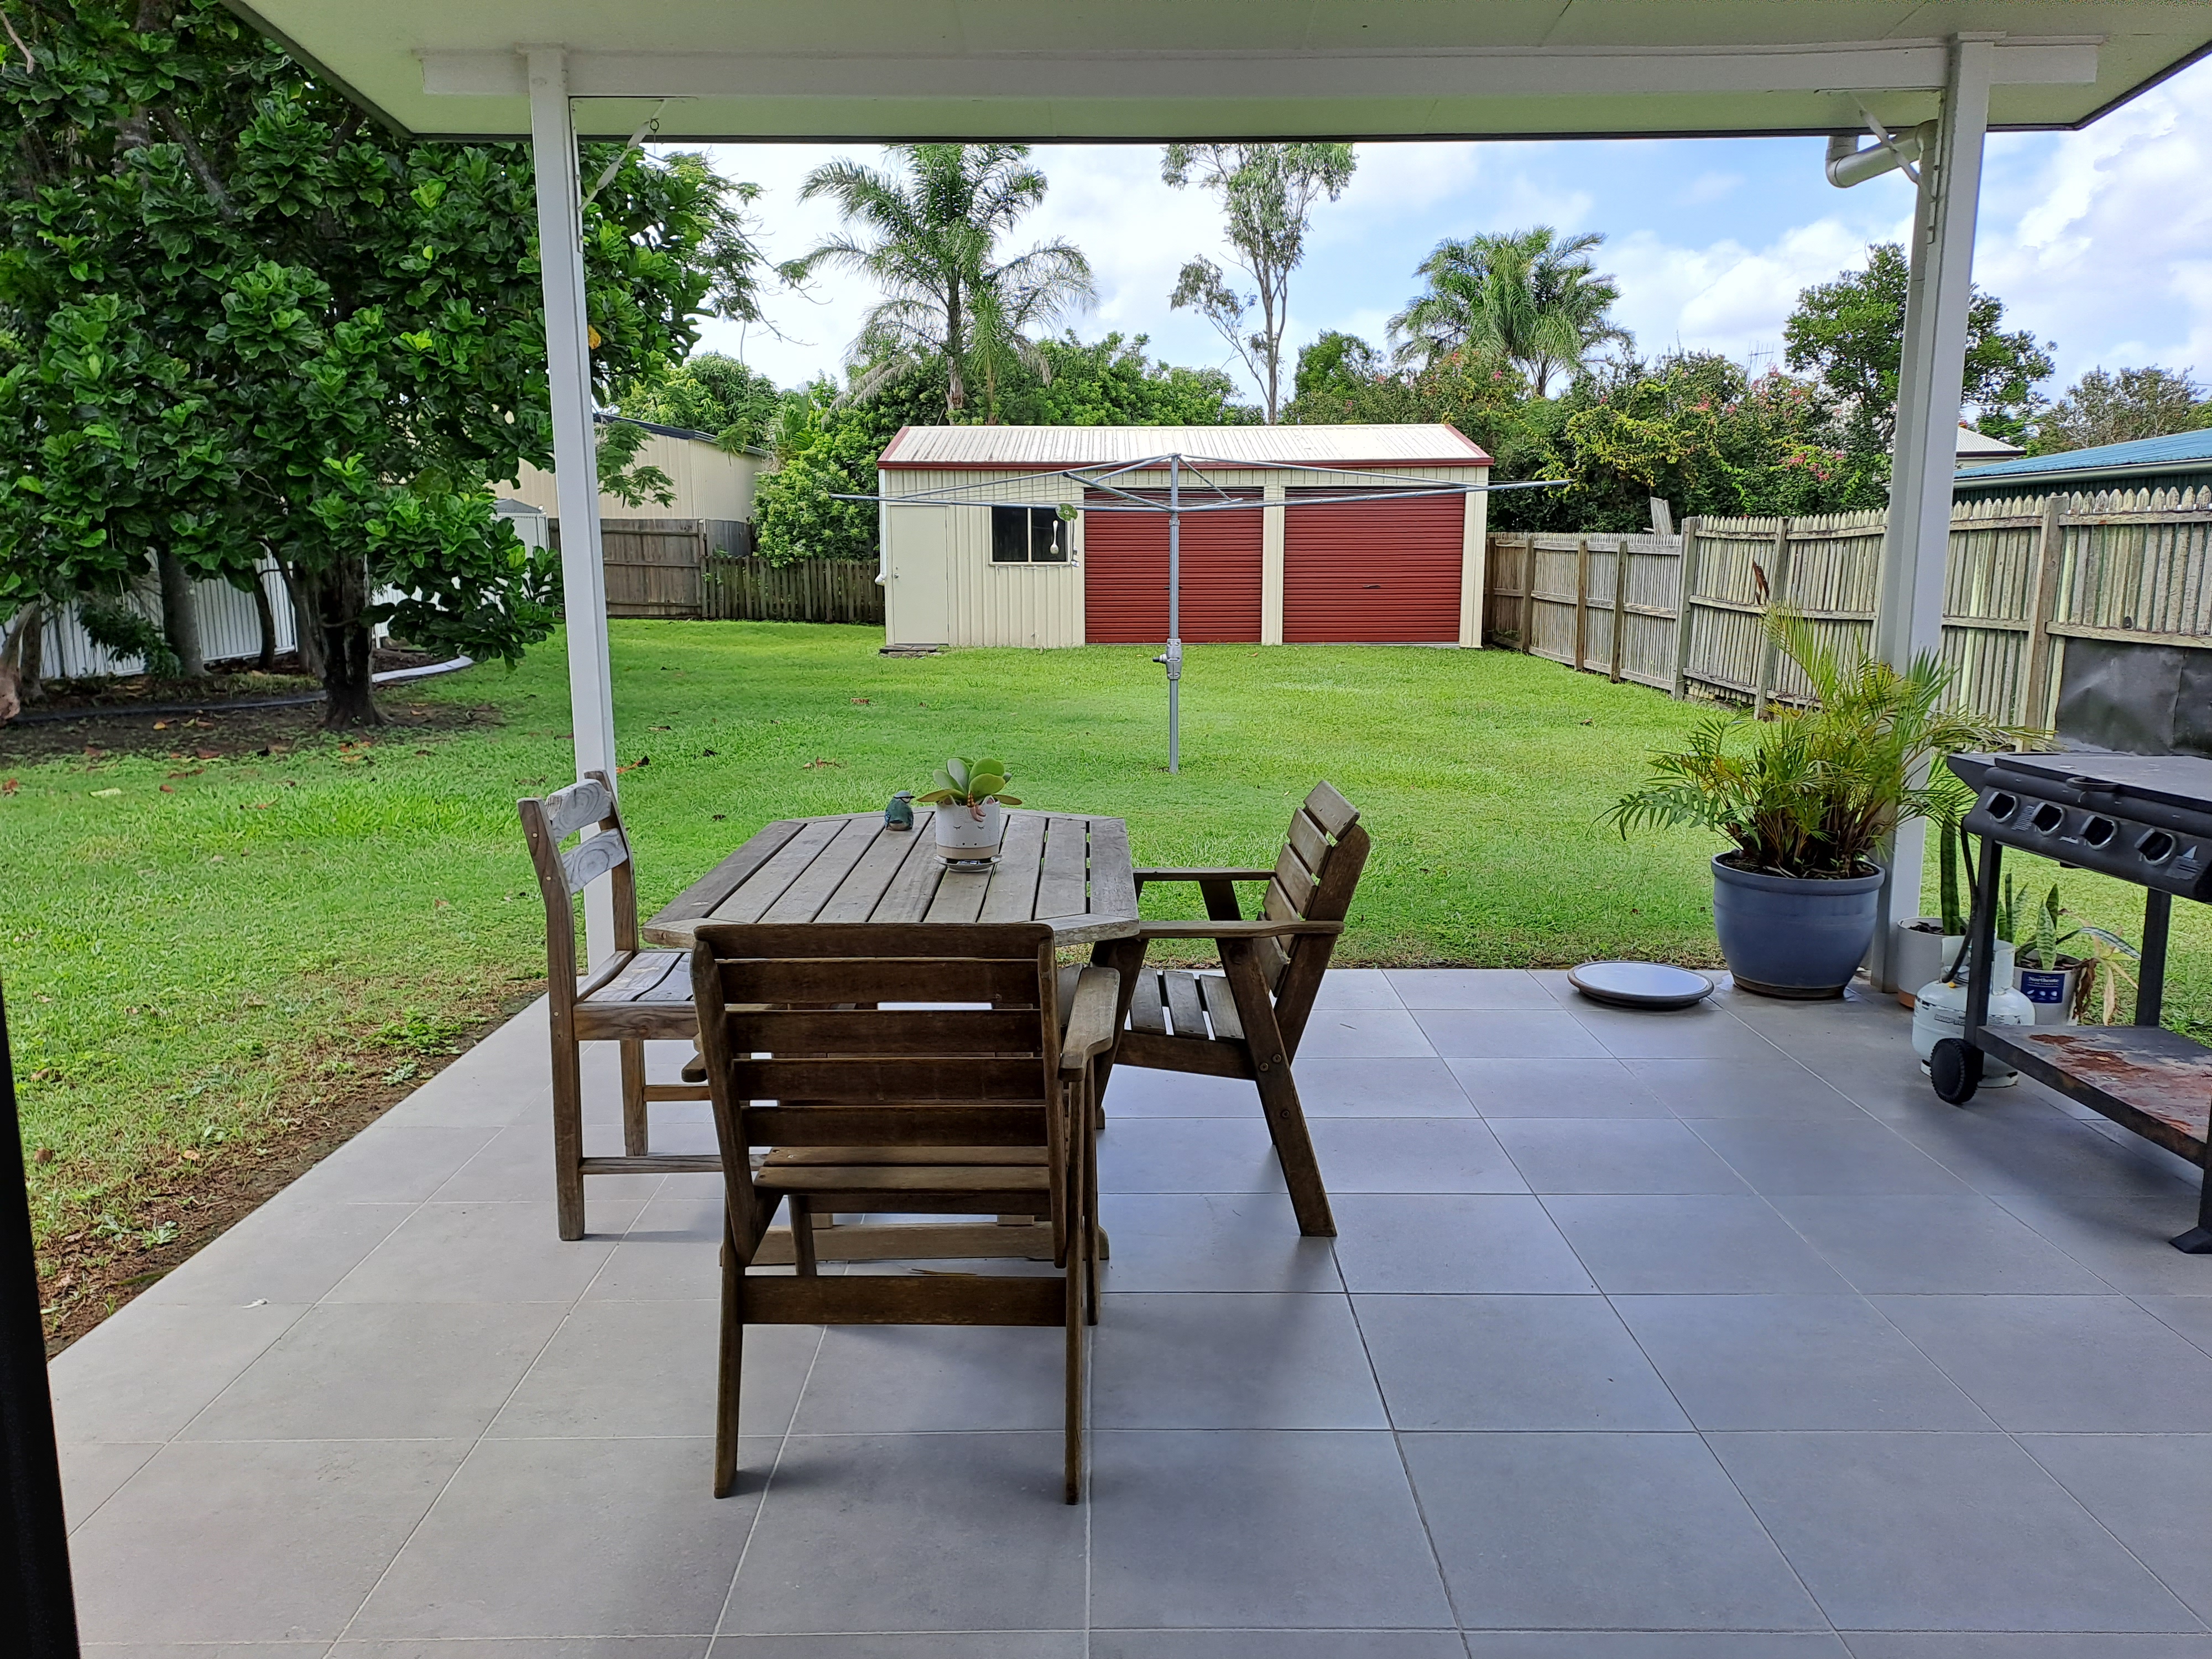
(238, 321)
(2102, 408)
(927, 233)
(707, 392)
(1532, 298)
(1850, 332)
(1269, 193)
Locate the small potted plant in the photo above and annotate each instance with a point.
(1926, 946)
(970, 798)
(1807, 797)
(2063, 985)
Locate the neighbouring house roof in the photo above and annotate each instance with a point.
(1045, 448)
(1976, 447)
(2177, 451)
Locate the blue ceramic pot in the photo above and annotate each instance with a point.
(1787, 935)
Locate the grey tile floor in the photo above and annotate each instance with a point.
(1711, 1335)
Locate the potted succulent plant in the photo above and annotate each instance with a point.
(1807, 797)
(2063, 985)
(970, 798)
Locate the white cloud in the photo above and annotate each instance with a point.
(1709, 187)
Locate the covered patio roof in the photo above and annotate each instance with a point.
(1225, 69)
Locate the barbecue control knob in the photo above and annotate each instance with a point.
(2049, 818)
(2155, 846)
(2002, 806)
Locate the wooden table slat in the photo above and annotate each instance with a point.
(856, 896)
(1012, 897)
(907, 898)
(1064, 868)
(767, 885)
(725, 878)
(959, 895)
(806, 895)
(1063, 888)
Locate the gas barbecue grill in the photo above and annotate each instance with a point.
(2145, 819)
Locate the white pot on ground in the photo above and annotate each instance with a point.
(1925, 952)
(970, 832)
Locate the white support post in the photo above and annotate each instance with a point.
(1931, 379)
(575, 446)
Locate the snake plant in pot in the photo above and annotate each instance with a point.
(970, 798)
(1807, 798)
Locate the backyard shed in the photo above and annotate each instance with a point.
(1294, 562)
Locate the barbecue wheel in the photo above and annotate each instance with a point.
(1956, 1071)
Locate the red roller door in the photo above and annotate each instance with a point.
(1125, 576)
(1372, 572)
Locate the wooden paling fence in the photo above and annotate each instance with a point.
(1683, 613)
(809, 590)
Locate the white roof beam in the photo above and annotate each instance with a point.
(1875, 66)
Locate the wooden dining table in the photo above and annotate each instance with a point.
(1069, 870)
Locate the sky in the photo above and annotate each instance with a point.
(2100, 241)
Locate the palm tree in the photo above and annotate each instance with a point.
(1530, 297)
(928, 234)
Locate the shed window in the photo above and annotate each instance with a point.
(1028, 535)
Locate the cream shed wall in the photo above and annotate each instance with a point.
(706, 481)
(941, 587)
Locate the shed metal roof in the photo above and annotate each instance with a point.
(2176, 452)
(1150, 70)
(1044, 449)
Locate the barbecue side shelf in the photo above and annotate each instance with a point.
(2154, 1082)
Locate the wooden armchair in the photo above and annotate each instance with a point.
(635, 996)
(974, 1110)
(1246, 1021)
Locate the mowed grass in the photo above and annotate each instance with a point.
(194, 969)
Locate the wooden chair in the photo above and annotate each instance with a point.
(980, 1111)
(635, 996)
(1246, 1021)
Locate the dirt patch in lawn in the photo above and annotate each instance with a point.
(123, 1242)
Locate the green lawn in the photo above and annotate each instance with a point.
(191, 971)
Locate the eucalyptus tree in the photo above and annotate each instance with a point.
(927, 231)
(1268, 193)
(1530, 298)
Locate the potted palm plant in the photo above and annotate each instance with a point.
(1807, 797)
(970, 798)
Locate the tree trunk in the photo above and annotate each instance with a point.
(339, 601)
(308, 638)
(181, 617)
(266, 616)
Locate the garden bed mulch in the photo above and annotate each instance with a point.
(224, 715)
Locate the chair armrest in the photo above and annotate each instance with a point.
(1204, 875)
(1234, 929)
(1090, 1030)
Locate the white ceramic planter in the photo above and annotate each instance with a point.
(970, 832)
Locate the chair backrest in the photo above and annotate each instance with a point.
(779, 1025)
(1316, 875)
(561, 875)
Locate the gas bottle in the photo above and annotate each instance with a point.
(1940, 1011)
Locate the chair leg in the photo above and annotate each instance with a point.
(1279, 1091)
(729, 1367)
(802, 1235)
(1079, 1316)
(633, 1093)
(1095, 1237)
(567, 1137)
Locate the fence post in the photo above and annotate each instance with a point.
(1528, 593)
(2035, 685)
(1581, 601)
(1620, 606)
(1778, 589)
(1687, 590)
